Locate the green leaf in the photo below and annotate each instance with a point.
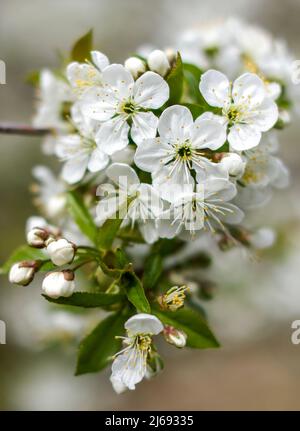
(97, 349)
(192, 75)
(199, 335)
(82, 48)
(87, 299)
(153, 270)
(107, 232)
(81, 215)
(175, 81)
(135, 292)
(22, 253)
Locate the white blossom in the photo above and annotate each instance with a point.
(124, 105)
(139, 202)
(247, 111)
(179, 149)
(130, 364)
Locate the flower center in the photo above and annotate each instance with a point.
(184, 151)
(233, 114)
(144, 342)
(128, 108)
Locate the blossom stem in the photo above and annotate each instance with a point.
(23, 129)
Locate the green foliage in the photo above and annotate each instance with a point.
(175, 81)
(153, 270)
(82, 48)
(81, 215)
(107, 232)
(22, 253)
(199, 335)
(97, 349)
(87, 299)
(135, 292)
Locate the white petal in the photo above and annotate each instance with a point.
(82, 76)
(175, 124)
(215, 88)
(99, 103)
(168, 228)
(67, 146)
(150, 91)
(149, 231)
(248, 89)
(113, 135)
(243, 137)
(143, 324)
(100, 60)
(151, 154)
(120, 79)
(98, 160)
(129, 368)
(144, 126)
(208, 134)
(219, 188)
(264, 116)
(124, 175)
(74, 169)
(170, 183)
(233, 215)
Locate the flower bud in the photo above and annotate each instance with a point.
(262, 238)
(175, 336)
(158, 62)
(58, 284)
(135, 66)
(233, 164)
(60, 251)
(37, 236)
(22, 273)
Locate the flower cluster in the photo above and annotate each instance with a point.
(166, 148)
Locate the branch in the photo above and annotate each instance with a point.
(22, 129)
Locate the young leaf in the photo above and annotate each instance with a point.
(153, 270)
(81, 215)
(87, 299)
(199, 335)
(135, 292)
(107, 232)
(22, 253)
(175, 81)
(82, 48)
(97, 349)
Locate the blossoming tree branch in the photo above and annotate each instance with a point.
(163, 157)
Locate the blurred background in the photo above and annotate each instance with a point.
(258, 367)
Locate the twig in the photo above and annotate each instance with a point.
(22, 129)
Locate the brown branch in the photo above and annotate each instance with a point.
(22, 129)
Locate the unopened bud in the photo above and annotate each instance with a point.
(175, 336)
(233, 164)
(158, 62)
(58, 284)
(37, 236)
(135, 66)
(173, 299)
(22, 273)
(171, 55)
(60, 251)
